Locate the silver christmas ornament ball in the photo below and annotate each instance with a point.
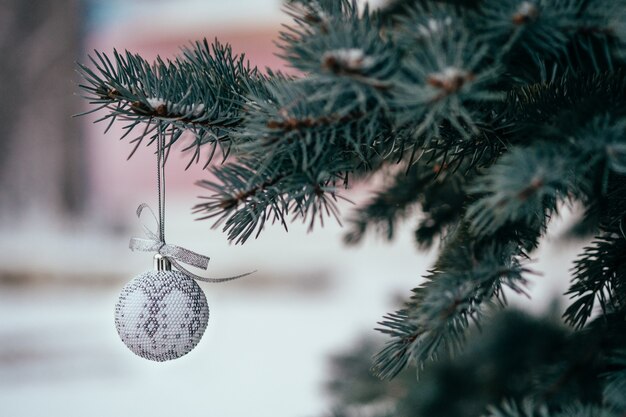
(161, 315)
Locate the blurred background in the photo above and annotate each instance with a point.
(67, 203)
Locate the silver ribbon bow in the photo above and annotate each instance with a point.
(175, 254)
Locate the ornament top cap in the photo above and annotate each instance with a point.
(161, 263)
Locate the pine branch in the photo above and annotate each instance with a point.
(340, 49)
(442, 82)
(433, 323)
(539, 27)
(201, 92)
(391, 204)
(295, 120)
(433, 187)
(522, 187)
(525, 185)
(598, 275)
(245, 198)
(549, 106)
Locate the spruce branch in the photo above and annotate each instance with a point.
(598, 274)
(201, 92)
(433, 324)
(294, 119)
(260, 201)
(601, 154)
(390, 204)
(346, 55)
(526, 184)
(523, 187)
(246, 197)
(441, 82)
(421, 21)
(538, 27)
(604, 22)
(434, 187)
(549, 106)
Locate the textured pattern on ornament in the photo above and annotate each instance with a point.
(161, 315)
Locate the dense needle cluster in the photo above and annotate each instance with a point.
(485, 116)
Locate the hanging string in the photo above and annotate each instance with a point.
(161, 180)
(153, 243)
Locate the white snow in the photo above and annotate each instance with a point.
(265, 350)
(350, 58)
(263, 354)
(434, 26)
(155, 103)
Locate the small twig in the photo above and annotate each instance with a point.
(233, 201)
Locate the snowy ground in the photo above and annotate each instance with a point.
(264, 352)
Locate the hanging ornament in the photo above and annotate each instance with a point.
(162, 314)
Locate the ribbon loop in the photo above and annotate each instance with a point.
(175, 254)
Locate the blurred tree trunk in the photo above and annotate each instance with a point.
(42, 161)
